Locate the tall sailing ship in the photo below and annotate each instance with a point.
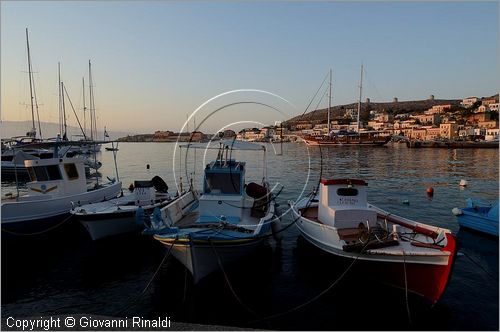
(344, 137)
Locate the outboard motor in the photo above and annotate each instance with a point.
(159, 184)
(256, 191)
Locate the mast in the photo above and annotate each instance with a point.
(84, 110)
(359, 101)
(32, 133)
(65, 135)
(91, 98)
(60, 99)
(329, 100)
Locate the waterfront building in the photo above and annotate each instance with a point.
(432, 133)
(428, 119)
(489, 124)
(491, 134)
(448, 130)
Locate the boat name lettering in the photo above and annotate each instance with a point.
(348, 201)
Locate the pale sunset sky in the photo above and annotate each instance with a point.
(154, 63)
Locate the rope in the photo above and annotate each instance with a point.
(37, 233)
(150, 281)
(481, 267)
(326, 290)
(229, 283)
(406, 289)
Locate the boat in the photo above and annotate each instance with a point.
(111, 149)
(344, 137)
(227, 224)
(55, 185)
(479, 216)
(400, 252)
(117, 216)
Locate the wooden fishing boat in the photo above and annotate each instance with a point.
(398, 251)
(117, 216)
(227, 224)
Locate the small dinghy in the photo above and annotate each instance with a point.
(479, 216)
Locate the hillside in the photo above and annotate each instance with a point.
(414, 106)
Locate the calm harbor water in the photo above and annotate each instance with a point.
(66, 273)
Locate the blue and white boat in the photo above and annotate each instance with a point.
(232, 218)
(478, 216)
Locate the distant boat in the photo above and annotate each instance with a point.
(228, 224)
(478, 216)
(357, 137)
(56, 184)
(341, 222)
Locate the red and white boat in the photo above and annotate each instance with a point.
(404, 253)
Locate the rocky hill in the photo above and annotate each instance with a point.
(414, 106)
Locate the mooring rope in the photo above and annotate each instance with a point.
(406, 289)
(479, 265)
(150, 280)
(37, 233)
(228, 282)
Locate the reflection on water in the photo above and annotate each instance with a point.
(67, 273)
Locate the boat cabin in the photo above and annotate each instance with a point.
(223, 198)
(56, 176)
(343, 204)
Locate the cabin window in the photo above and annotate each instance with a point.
(347, 192)
(32, 174)
(71, 171)
(41, 173)
(223, 183)
(53, 172)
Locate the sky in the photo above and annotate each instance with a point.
(155, 63)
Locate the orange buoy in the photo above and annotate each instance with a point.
(430, 191)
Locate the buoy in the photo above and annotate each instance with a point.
(430, 191)
(463, 183)
(406, 202)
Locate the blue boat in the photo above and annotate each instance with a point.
(231, 219)
(479, 216)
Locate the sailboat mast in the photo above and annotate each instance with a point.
(84, 110)
(65, 135)
(90, 104)
(33, 130)
(359, 101)
(329, 101)
(60, 99)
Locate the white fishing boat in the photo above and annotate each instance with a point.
(55, 184)
(401, 252)
(117, 216)
(233, 218)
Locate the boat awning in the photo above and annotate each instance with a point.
(231, 144)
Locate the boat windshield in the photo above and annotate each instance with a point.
(223, 183)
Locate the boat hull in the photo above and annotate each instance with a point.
(202, 258)
(28, 211)
(347, 140)
(426, 276)
(477, 222)
(109, 224)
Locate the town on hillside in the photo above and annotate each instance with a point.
(472, 118)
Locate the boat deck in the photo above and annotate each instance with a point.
(190, 220)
